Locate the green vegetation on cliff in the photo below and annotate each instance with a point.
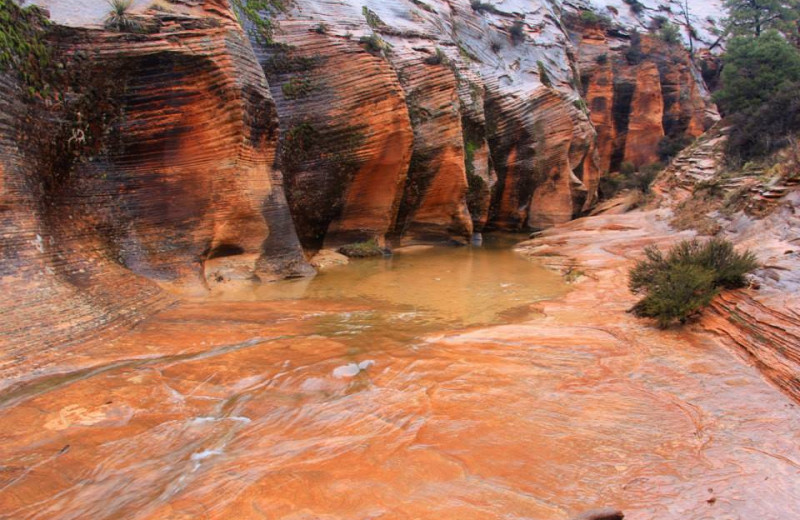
(687, 278)
(256, 16)
(23, 47)
(755, 17)
(760, 94)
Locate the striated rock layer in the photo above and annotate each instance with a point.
(644, 95)
(154, 157)
(763, 321)
(159, 159)
(428, 120)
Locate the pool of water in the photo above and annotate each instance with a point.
(463, 286)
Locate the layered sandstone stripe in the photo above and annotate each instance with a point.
(157, 165)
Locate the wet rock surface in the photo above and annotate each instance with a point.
(336, 409)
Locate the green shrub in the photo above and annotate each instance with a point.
(375, 44)
(670, 147)
(118, 19)
(437, 58)
(297, 88)
(759, 94)
(591, 18)
(373, 20)
(259, 13)
(755, 70)
(629, 178)
(669, 34)
(676, 293)
(687, 278)
(544, 77)
(758, 132)
(627, 168)
(643, 179)
(479, 6)
(24, 48)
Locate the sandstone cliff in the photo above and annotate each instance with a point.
(152, 158)
(159, 151)
(423, 121)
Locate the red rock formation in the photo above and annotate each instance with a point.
(639, 98)
(537, 145)
(346, 134)
(126, 175)
(435, 203)
(645, 124)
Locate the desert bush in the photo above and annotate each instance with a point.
(361, 249)
(517, 32)
(669, 34)
(118, 19)
(629, 178)
(375, 44)
(643, 179)
(479, 6)
(627, 168)
(437, 58)
(297, 88)
(686, 279)
(670, 147)
(589, 17)
(259, 15)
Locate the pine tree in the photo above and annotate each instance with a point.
(754, 17)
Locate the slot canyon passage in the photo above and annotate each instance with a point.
(180, 340)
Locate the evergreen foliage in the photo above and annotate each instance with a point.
(755, 17)
(687, 278)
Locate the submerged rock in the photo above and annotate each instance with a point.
(328, 258)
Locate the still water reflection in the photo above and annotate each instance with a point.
(463, 285)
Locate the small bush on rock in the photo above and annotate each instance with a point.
(686, 279)
(118, 19)
(361, 249)
(479, 6)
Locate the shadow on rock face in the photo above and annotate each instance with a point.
(606, 513)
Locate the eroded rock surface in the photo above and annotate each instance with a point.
(152, 160)
(641, 92)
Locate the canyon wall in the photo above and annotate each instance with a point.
(140, 157)
(419, 121)
(158, 157)
(645, 96)
(427, 121)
